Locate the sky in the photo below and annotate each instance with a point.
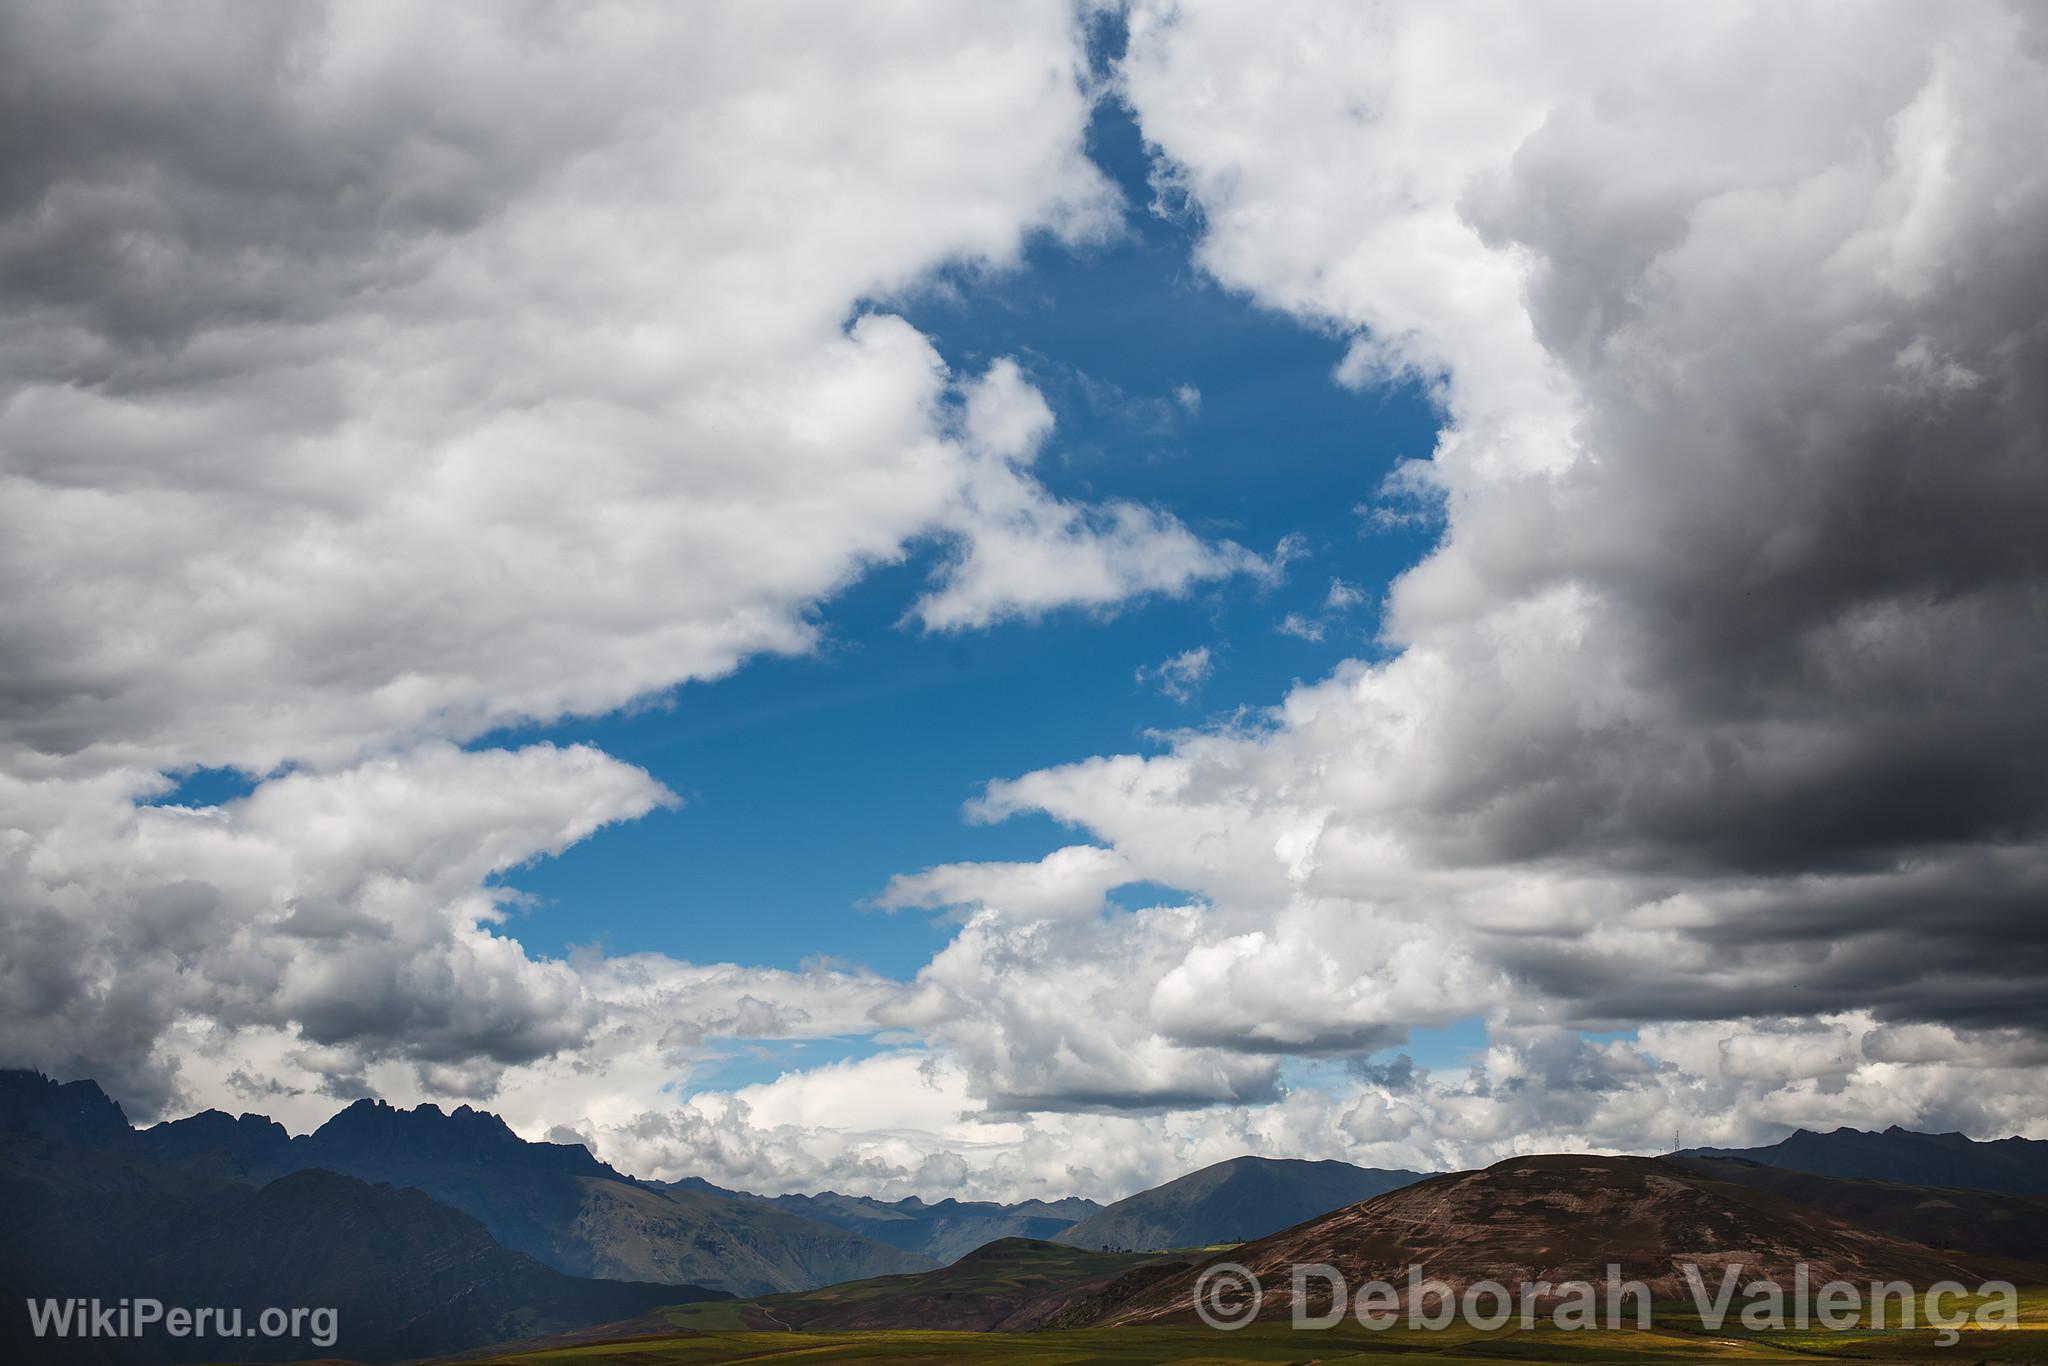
(1015, 600)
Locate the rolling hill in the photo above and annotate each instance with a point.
(1244, 1198)
(1561, 1218)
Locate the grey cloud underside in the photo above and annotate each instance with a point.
(1816, 519)
(1838, 592)
(1813, 524)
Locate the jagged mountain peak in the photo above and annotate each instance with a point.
(65, 1111)
(426, 1132)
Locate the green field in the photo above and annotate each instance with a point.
(710, 1334)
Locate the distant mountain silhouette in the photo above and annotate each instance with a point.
(553, 1201)
(1563, 1217)
(84, 1212)
(944, 1230)
(73, 1111)
(1244, 1198)
(2015, 1165)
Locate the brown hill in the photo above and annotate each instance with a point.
(1564, 1218)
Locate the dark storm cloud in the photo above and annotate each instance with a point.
(1814, 516)
(159, 179)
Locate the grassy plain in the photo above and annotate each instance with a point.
(716, 1334)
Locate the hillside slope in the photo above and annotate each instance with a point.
(1561, 1218)
(1986, 1222)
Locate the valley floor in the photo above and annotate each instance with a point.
(713, 1343)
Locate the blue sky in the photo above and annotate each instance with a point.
(808, 782)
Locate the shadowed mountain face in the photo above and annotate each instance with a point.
(2016, 1165)
(1247, 1197)
(553, 1201)
(75, 1112)
(1558, 1219)
(944, 1230)
(1991, 1223)
(84, 1214)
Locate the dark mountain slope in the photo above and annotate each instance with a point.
(623, 1228)
(2015, 1165)
(1987, 1222)
(407, 1275)
(249, 1148)
(83, 1215)
(553, 1201)
(1246, 1197)
(74, 1112)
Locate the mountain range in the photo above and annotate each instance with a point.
(85, 1212)
(553, 1201)
(943, 1230)
(2018, 1166)
(1557, 1217)
(435, 1232)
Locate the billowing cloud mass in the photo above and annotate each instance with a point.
(375, 377)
